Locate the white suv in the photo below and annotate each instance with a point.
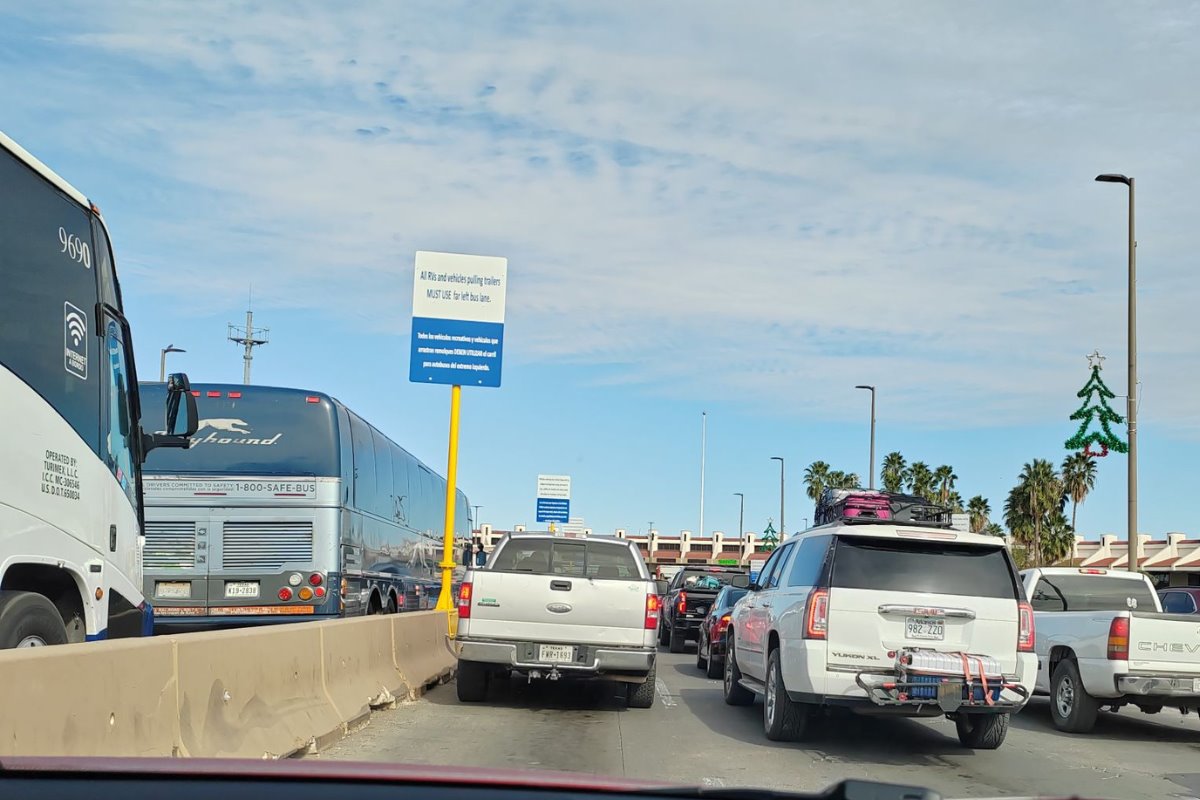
(885, 618)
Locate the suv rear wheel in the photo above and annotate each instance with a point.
(735, 693)
(784, 720)
(981, 731)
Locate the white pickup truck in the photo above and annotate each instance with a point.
(549, 607)
(1102, 640)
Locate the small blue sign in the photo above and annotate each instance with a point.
(551, 509)
(455, 351)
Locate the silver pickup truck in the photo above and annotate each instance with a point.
(550, 607)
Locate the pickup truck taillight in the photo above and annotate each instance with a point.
(681, 606)
(723, 623)
(1025, 633)
(1118, 639)
(816, 614)
(464, 601)
(652, 604)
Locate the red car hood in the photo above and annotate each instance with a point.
(316, 769)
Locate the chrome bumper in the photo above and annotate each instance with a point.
(1159, 685)
(518, 655)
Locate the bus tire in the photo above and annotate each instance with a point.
(29, 620)
(392, 608)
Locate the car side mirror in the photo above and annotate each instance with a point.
(179, 388)
(754, 587)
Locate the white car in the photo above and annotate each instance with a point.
(1104, 641)
(885, 618)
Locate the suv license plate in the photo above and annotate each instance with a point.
(556, 653)
(924, 628)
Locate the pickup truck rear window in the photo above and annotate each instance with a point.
(1090, 593)
(572, 559)
(703, 579)
(910, 565)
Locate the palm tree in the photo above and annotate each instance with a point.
(837, 479)
(943, 482)
(994, 529)
(920, 480)
(1079, 478)
(954, 503)
(894, 473)
(1058, 538)
(815, 479)
(979, 509)
(1038, 494)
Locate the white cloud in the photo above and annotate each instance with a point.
(709, 197)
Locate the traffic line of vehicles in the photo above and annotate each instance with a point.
(254, 505)
(883, 609)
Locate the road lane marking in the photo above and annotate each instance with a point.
(664, 693)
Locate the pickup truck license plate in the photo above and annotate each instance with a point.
(174, 590)
(241, 589)
(924, 628)
(556, 653)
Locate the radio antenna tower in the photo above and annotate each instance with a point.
(249, 337)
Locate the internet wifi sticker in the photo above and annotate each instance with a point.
(75, 341)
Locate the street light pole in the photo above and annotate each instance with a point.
(741, 516)
(703, 447)
(1131, 398)
(162, 362)
(782, 529)
(476, 514)
(871, 470)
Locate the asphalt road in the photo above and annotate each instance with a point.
(690, 736)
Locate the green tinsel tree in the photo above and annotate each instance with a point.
(770, 540)
(1095, 409)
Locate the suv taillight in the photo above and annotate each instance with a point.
(681, 606)
(1118, 639)
(1025, 634)
(652, 606)
(816, 614)
(464, 601)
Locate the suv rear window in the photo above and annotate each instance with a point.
(1090, 593)
(910, 565)
(572, 559)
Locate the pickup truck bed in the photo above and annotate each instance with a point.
(556, 608)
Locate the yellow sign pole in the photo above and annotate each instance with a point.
(445, 601)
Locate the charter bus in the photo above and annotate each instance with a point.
(288, 506)
(72, 443)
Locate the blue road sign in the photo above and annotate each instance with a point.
(458, 319)
(553, 509)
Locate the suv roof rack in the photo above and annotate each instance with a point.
(870, 507)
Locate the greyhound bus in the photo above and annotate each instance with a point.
(288, 506)
(72, 444)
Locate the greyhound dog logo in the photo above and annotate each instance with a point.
(228, 425)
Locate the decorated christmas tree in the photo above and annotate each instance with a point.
(1096, 411)
(770, 539)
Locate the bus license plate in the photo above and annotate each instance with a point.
(241, 589)
(556, 653)
(924, 628)
(173, 590)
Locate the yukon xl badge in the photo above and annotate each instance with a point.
(558, 608)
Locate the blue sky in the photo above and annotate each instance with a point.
(744, 211)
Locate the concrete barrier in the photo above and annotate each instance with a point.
(253, 692)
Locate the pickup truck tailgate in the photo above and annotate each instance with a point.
(549, 608)
(1164, 643)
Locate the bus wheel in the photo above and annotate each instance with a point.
(391, 606)
(374, 606)
(29, 620)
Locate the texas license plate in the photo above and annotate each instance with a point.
(241, 589)
(556, 653)
(173, 590)
(924, 628)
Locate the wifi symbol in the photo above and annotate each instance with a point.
(76, 327)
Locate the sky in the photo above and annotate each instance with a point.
(738, 209)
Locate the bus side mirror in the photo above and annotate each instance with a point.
(179, 388)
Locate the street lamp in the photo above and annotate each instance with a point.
(1131, 397)
(741, 516)
(782, 530)
(477, 515)
(871, 470)
(162, 361)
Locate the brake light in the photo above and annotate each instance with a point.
(1025, 634)
(234, 395)
(312, 399)
(285, 594)
(682, 606)
(816, 614)
(195, 392)
(464, 601)
(1092, 571)
(315, 579)
(212, 394)
(652, 606)
(723, 623)
(1118, 639)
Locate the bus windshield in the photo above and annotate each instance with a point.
(252, 430)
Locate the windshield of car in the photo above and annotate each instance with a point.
(517, 331)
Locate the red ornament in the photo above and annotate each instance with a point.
(1087, 451)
